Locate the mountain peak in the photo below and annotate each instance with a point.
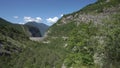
(41, 26)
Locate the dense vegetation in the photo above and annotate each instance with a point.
(72, 44)
(17, 51)
(12, 30)
(61, 30)
(89, 43)
(101, 4)
(92, 45)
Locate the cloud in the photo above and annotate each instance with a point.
(61, 15)
(16, 17)
(38, 19)
(52, 20)
(30, 19)
(21, 23)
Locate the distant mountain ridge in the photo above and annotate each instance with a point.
(3, 22)
(41, 26)
(12, 30)
(31, 29)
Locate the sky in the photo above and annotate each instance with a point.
(41, 11)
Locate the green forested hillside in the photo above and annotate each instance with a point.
(10, 35)
(93, 36)
(17, 51)
(12, 30)
(89, 38)
(95, 45)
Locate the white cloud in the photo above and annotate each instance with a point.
(16, 17)
(21, 23)
(61, 15)
(30, 19)
(38, 19)
(52, 20)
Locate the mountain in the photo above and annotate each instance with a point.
(42, 27)
(12, 30)
(91, 35)
(4, 22)
(18, 51)
(10, 35)
(88, 38)
(33, 31)
(9, 28)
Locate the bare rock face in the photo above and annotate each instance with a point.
(96, 18)
(107, 0)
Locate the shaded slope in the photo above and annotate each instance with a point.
(33, 31)
(42, 27)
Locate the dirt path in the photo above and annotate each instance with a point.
(36, 38)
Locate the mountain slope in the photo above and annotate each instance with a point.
(92, 35)
(13, 30)
(10, 35)
(83, 39)
(9, 28)
(42, 27)
(17, 51)
(33, 31)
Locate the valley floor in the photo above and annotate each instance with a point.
(36, 38)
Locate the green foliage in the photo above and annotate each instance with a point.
(89, 39)
(17, 51)
(13, 31)
(29, 54)
(61, 30)
(99, 6)
(79, 45)
(85, 42)
(39, 55)
(8, 49)
(112, 48)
